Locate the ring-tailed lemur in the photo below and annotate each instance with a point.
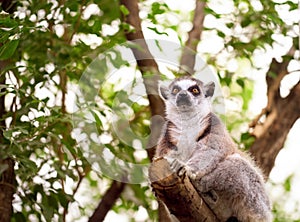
(195, 141)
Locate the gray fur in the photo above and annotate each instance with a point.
(196, 142)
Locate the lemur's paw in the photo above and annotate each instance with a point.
(191, 174)
(197, 175)
(177, 166)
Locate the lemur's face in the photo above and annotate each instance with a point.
(186, 93)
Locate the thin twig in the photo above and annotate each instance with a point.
(188, 57)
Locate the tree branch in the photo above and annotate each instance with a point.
(148, 68)
(274, 76)
(7, 189)
(281, 114)
(188, 57)
(178, 194)
(182, 191)
(107, 202)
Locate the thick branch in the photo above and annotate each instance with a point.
(178, 194)
(274, 76)
(188, 57)
(8, 5)
(181, 193)
(281, 114)
(267, 146)
(107, 201)
(148, 67)
(7, 189)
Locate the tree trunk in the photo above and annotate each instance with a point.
(177, 193)
(275, 129)
(7, 189)
(280, 115)
(7, 175)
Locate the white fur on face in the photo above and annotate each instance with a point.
(185, 83)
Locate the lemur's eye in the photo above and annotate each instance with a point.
(195, 91)
(175, 90)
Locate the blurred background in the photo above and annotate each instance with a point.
(75, 113)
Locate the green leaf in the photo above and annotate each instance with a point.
(287, 183)
(52, 200)
(247, 139)
(247, 94)
(7, 22)
(159, 8)
(221, 34)
(63, 198)
(98, 121)
(18, 217)
(124, 10)
(245, 22)
(4, 36)
(240, 82)
(230, 25)
(48, 210)
(8, 49)
(226, 81)
(8, 134)
(156, 31)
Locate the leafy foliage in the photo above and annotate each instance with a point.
(48, 45)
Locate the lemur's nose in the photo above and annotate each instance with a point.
(183, 93)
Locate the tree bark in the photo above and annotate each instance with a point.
(148, 68)
(7, 177)
(280, 115)
(7, 189)
(107, 202)
(178, 194)
(274, 131)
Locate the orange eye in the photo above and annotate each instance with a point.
(175, 91)
(195, 91)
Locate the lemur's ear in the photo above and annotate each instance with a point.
(209, 89)
(163, 92)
